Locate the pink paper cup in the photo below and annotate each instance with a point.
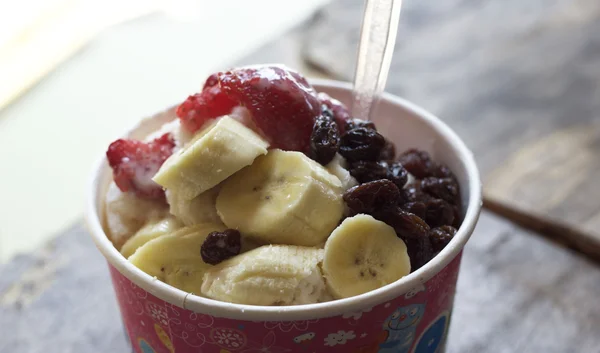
(410, 315)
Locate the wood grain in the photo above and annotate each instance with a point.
(518, 80)
(516, 293)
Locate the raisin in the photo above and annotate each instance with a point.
(457, 215)
(361, 144)
(417, 208)
(415, 193)
(441, 188)
(324, 140)
(220, 246)
(441, 236)
(443, 172)
(406, 224)
(326, 111)
(372, 197)
(365, 171)
(418, 163)
(439, 213)
(388, 153)
(420, 251)
(397, 174)
(356, 123)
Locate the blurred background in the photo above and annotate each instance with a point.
(518, 80)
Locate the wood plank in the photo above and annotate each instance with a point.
(517, 80)
(516, 293)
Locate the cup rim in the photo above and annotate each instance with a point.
(308, 311)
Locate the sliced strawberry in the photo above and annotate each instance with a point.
(134, 163)
(283, 104)
(211, 103)
(340, 112)
(212, 80)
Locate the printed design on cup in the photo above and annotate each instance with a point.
(414, 291)
(304, 340)
(164, 338)
(188, 326)
(157, 313)
(145, 347)
(228, 338)
(287, 326)
(339, 338)
(433, 336)
(266, 346)
(356, 314)
(401, 328)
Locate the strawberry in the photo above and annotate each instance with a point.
(282, 103)
(134, 163)
(211, 103)
(340, 112)
(212, 80)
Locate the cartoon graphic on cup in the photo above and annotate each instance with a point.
(401, 327)
(432, 337)
(304, 339)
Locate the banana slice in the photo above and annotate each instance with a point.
(126, 214)
(200, 209)
(282, 198)
(269, 275)
(363, 254)
(175, 258)
(213, 155)
(338, 167)
(150, 231)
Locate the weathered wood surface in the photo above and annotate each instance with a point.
(518, 80)
(516, 293)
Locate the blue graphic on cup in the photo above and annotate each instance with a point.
(145, 346)
(401, 327)
(432, 338)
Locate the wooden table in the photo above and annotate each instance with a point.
(517, 292)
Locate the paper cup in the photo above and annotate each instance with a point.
(410, 315)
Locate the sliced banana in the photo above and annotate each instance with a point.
(363, 254)
(150, 231)
(200, 209)
(175, 258)
(339, 167)
(213, 155)
(282, 198)
(269, 275)
(126, 214)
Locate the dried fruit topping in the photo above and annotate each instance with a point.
(220, 246)
(388, 153)
(352, 124)
(406, 225)
(418, 163)
(439, 213)
(198, 109)
(283, 105)
(417, 208)
(415, 193)
(361, 144)
(372, 197)
(420, 251)
(134, 163)
(365, 171)
(324, 140)
(441, 188)
(441, 236)
(212, 80)
(339, 110)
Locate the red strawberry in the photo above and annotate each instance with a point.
(283, 104)
(201, 107)
(134, 163)
(212, 80)
(340, 112)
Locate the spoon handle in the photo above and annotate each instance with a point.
(375, 50)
